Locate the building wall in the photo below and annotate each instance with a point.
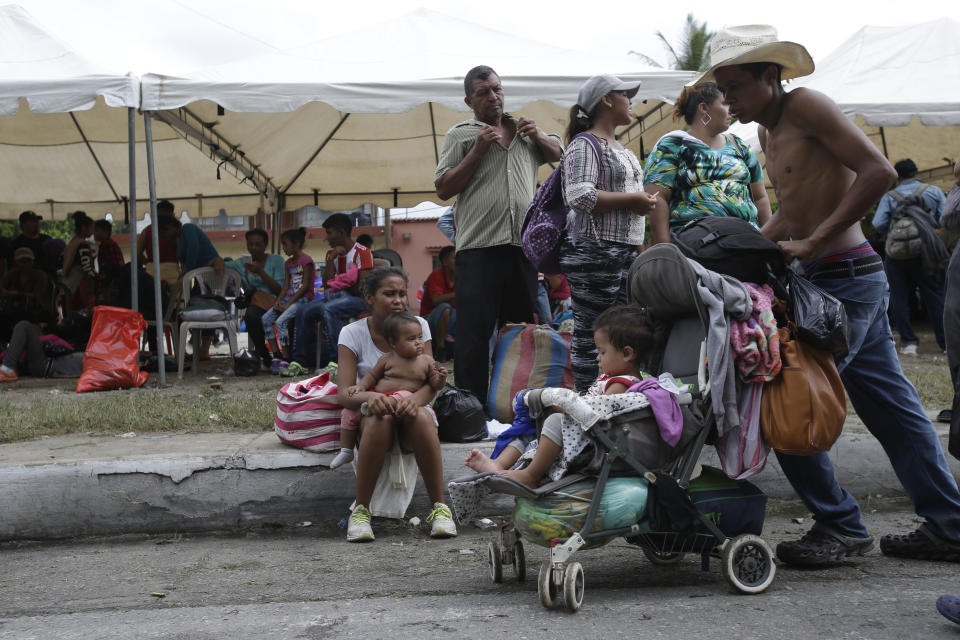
(417, 242)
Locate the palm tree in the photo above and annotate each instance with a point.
(694, 48)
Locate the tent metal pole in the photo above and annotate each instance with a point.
(316, 153)
(155, 238)
(96, 160)
(388, 222)
(433, 135)
(275, 223)
(132, 206)
(883, 140)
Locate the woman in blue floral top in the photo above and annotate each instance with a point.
(702, 171)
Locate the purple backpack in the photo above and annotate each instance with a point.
(546, 219)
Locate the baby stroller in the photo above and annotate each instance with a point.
(628, 443)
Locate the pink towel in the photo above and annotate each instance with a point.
(755, 341)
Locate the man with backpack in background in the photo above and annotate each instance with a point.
(915, 255)
(490, 164)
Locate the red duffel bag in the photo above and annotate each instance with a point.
(110, 361)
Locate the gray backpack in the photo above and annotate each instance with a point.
(904, 239)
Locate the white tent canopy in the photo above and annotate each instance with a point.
(890, 75)
(64, 136)
(902, 86)
(327, 129)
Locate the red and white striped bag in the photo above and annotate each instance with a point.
(308, 416)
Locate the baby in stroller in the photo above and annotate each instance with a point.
(624, 340)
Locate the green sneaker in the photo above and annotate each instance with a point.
(294, 369)
(358, 526)
(442, 520)
(332, 369)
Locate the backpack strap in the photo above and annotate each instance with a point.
(595, 143)
(917, 194)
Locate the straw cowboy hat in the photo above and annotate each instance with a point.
(756, 43)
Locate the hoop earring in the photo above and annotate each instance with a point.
(706, 119)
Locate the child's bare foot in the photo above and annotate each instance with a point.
(481, 463)
(523, 476)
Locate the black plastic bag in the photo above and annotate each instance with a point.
(820, 318)
(245, 363)
(669, 507)
(460, 416)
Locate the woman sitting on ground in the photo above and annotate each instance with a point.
(361, 344)
(56, 355)
(703, 171)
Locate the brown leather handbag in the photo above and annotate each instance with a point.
(803, 409)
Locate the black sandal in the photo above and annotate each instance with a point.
(920, 545)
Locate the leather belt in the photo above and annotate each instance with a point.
(847, 268)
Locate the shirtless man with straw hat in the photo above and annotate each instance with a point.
(827, 175)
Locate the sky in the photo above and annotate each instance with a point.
(175, 36)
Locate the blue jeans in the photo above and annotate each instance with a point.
(433, 318)
(272, 317)
(543, 305)
(890, 408)
(904, 276)
(337, 307)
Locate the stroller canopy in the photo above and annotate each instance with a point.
(662, 280)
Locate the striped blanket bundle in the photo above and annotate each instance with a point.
(308, 416)
(527, 355)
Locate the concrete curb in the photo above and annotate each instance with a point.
(80, 486)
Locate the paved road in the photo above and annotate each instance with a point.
(307, 582)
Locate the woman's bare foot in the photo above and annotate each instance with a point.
(481, 463)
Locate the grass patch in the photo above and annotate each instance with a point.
(34, 407)
(141, 410)
(931, 377)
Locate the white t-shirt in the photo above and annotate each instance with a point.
(356, 337)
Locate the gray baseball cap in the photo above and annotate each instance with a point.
(599, 86)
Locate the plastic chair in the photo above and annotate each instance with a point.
(171, 332)
(209, 283)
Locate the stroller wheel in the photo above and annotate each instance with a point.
(573, 586)
(747, 564)
(495, 560)
(546, 589)
(658, 557)
(519, 561)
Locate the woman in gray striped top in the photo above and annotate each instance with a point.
(606, 194)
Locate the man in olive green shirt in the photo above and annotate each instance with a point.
(490, 164)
